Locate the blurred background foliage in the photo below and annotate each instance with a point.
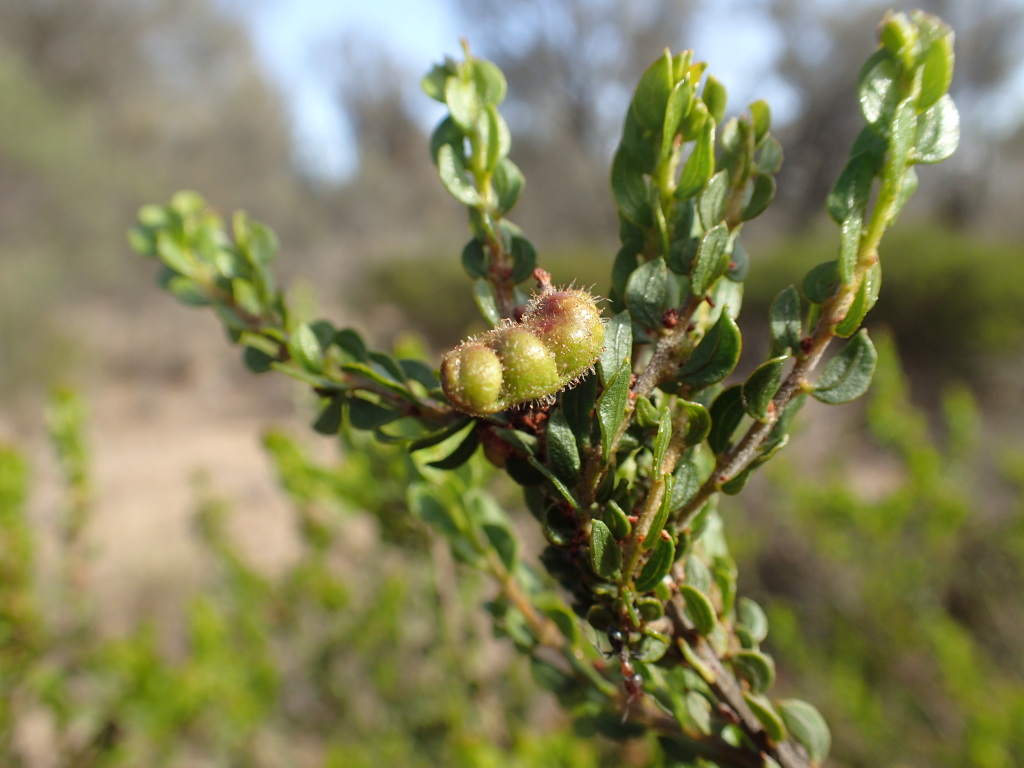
(892, 572)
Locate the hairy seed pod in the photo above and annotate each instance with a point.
(559, 339)
(569, 322)
(471, 375)
(529, 366)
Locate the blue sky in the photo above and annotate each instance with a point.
(293, 36)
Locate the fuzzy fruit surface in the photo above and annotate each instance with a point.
(560, 337)
(529, 366)
(569, 323)
(472, 374)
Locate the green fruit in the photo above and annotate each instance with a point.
(471, 376)
(560, 337)
(530, 371)
(569, 323)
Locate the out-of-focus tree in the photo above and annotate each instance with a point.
(173, 88)
(104, 103)
(375, 92)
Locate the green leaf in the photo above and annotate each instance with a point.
(715, 356)
(768, 156)
(715, 98)
(663, 554)
(784, 321)
(761, 386)
(563, 453)
(186, 290)
(863, 301)
(770, 720)
(446, 133)
(849, 247)
(426, 504)
(698, 422)
(434, 81)
(304, 349)
(760, 119)
(559, 525)
(647, 415)
(878, 89)
(504, 542)
(366, 415)
(605, 552)
(651, 290)
(700, 165)
(726, 414)
(523, 256)
(761, 195)
(630, 190)
(638, 147)
(257, 360)
(489, 81)
(662, 438)
(525, 445)
(904, 126)
(460, 455)
(848, 375)
(699, 608)
(328, 422)
(807, 726)
(616, 519)
(463, 102)
(618, 347)
(611, 406)
(660, 517)
(578, 405)
(852, 190)
(679, 102)
(438, 436)
(739, 262)
(821, 281)
(938, 71)
(752, 616)
(475, 259)
(650, 99)
(938, 132)
(483, 294)
(508, 184)
(711, 205)
(176, 254)
(452, 172)
(555, 609)
(712, 260)
(757, 668)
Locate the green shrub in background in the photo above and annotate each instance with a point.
(347, 658)
(635, 623)
(895, 594)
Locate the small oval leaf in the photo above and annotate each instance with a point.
(757, 668)
(807, 726)
(663, 554)
(784, 321)
(605, 553)
(761, 386)
(699, 608)
(715, 356)
(848, 375)
(770, 720)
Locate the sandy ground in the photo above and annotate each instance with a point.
(173, 415)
